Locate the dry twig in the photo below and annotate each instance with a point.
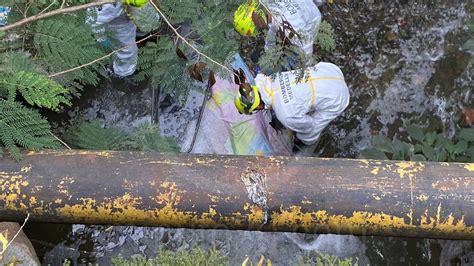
(17, 233)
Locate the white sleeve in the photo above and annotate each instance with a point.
(108, 13)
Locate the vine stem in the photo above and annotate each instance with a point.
(54, 13)
(186, 41)
(17, 233)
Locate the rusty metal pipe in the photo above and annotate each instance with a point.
(310, 195)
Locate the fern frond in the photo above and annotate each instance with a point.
(282, 58)
(24, 127)
(180, 11)
(158, 62)
(40, 90)
(65, 42)
(93, 136)
(325, 36)
(147, 138)
(13, 62)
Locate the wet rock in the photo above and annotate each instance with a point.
(20, 249)
(456, 252)
(391, 36)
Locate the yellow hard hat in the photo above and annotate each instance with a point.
(243, 21)
(135, 3)
(246, 104)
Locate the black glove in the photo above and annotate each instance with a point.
(276, 124)
(297, 145)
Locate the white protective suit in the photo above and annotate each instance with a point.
(309, 106)
(304, 17)
(112, 19)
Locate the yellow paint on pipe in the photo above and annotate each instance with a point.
(409, 169)
(470, 167)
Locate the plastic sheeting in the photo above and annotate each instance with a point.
(4, 15)
(224, 131)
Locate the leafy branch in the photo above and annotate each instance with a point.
(56, 12)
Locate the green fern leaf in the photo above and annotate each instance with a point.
(40, 90)
(65, 42)
(147, 138)
(23, 127)
(325, 36)
(93, 136)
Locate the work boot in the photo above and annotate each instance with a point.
(302, 150)
(128, 80)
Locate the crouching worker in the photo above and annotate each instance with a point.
(305, 106)
(117, 25)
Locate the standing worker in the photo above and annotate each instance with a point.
(116, 27)
(304, 105)
(303, 17)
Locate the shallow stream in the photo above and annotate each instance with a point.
(404, 64)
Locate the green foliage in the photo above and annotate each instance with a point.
(159, 63)
(195, 257)
(29, 55)
(35, 57)
(216, 30)
(181, 11)
(65, 42)
(325, 37)
(39, 90)
(94, 136)
(144, 17)
(21, 126)
(284, 56)
(147, 138)
(424, 146)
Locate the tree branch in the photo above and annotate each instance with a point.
(186, 41)
(98, 59)
(54, 13)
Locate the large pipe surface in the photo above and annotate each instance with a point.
(310, 195)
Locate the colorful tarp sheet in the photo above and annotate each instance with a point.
(224, 131)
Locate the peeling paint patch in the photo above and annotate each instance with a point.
(375, 171)
(423, 197)
(26, 168)
(470, 167)
(409, 169)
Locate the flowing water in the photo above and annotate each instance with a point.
(404, 64)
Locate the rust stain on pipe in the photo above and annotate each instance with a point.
(310, 195)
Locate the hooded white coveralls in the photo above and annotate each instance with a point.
(111, 18)
(304, 17)
(309, 106)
